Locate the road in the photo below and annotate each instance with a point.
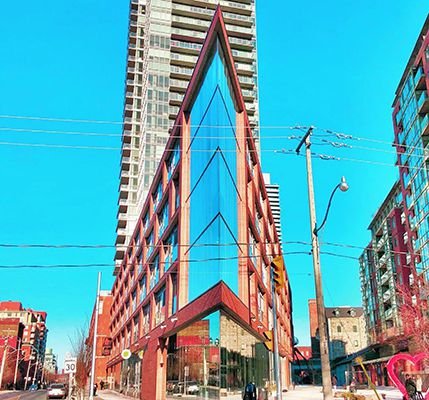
(21, 395)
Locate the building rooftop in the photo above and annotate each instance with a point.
(412, 58)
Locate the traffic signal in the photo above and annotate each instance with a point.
(269, 342)
(278, 272)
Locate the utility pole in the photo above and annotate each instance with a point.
(324, 349)
(36, 367)
(28, 373)
(17, 363)
(276, 339)
(3, 361)
(94, 342)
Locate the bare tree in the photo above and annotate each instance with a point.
(414, 314)
(82, 361)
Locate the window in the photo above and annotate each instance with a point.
(143, 288)
(170, 250)
(157, 195)
(154, 272)
(145, 221)
(174, 294)
(339, 328)
(140, 262)
(356, 343)
(176, 193)
(355, 328)
(134, 300)
(146, 320)
(149, 244)
(136, 329)
(163, 219)
(160, 306)
(173, 160)
(253, 248)
(261, 305)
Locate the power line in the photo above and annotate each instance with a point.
(32, 118)
(103, 265)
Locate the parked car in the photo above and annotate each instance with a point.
(33, 387)
(57, 391)
(193, 388)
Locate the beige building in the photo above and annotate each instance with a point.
(164, 41)
(346, 330)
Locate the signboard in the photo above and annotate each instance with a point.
(186, 370)
(126, 354)
(70, 365)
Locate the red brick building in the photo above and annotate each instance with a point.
(25, 333)
(192, 297)
(104, 342)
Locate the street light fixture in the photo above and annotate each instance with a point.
(343, 186)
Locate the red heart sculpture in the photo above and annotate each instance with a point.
(404, 357)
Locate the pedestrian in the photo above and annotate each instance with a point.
(334, 381)
(250, 391)
(410, 387)
(353, 385)
(95, 389)
(101, 385)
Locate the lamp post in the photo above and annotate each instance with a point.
(29, 365)
(324, 348)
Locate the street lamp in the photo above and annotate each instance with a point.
(343, 186)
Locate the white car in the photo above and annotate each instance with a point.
(57, 391)
(193, 388)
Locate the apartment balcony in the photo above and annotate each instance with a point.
(238, 19)
(126, 149)
(423, 103)
(121, 232)
(240, 31)
(239, 8)
(125, 176)
(420, 79)
(388, 313)
(123, 191)
(380, 243)
(387, 295)
(239, 43)
(382, 260)
(185, 47)
(176, 99)
(384, 278)
(123, 205)
(126, 135)
(122, 221)
(190, 23)
(180, 71)
(178, 85)
(424, 125)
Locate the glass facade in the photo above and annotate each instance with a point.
(213, 175)
(215, 358)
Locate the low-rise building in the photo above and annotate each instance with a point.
(30, 344)
(50, 365)
(103, 341)
(346, 336)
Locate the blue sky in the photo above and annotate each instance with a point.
(332, 64)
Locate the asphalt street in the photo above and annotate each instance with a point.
(23, 395)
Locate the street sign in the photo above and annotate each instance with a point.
(70, 365)
(186, 370)
(126, 354)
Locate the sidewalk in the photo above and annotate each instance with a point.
(315, 393)
(299, 393)
(108, 394)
